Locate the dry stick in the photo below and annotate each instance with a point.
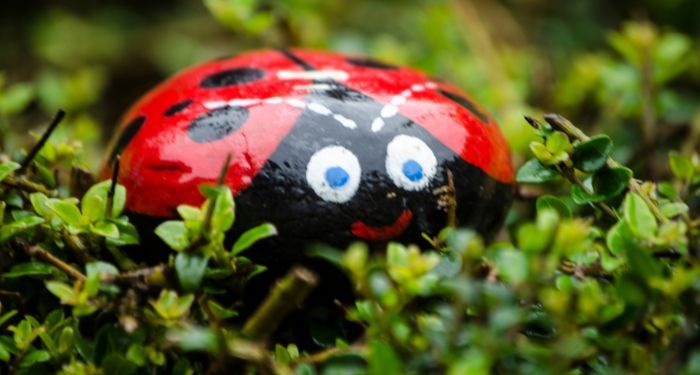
(452, 208)
(572, 131)
(113, 186)
(220, 181)
(154, 276)
(36, 251)
(288, 294)
(447, 199)
(44, 137)
(24, 184)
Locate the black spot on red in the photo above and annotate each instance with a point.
(217, 124)
(232, 77)
(368, 62)
(177, 107)
(126, 136)
(466, 103)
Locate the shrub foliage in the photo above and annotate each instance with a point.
(596, 271)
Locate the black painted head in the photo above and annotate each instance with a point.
(338, 180)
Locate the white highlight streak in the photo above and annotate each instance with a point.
(389, 110)
(320, 109)
(215, 105)
(392, 108)
(346, 122)
(337, 75)
(377, 124)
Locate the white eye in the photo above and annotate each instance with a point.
(410, 163)
(334, 173)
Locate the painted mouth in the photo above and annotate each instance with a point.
(384, 233)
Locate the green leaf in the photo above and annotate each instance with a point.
(554, 203)
(98, 269)
(16, 98)
(219, 311)
(128, 235)
(558, 142)
(117, 364)
(540, 151)
(224, 212)
(611, 182)
(639, 216)
(251, 236)
(97, 196)
(591, 155)
(642, 263)
(190, 270)
(383, 359)
(4, 353)
(580, 196)
(681, 165)
(29, 269)
(174, 233)
(326, 252)
(34, 356)
(38, 201)
(7, 168)
(619, 238)
(7, 316)
(195, 339)
(512, 265)
(61, 290)
(93, 207)
(170, 306)
(10, 230)
(673, 209)
(188, 212)
(666, 189)
(105, 229)
(66, 210)
(534, 172)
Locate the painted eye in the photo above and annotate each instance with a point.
(334, 174)
(410, 163)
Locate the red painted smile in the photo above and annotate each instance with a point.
(385, 233)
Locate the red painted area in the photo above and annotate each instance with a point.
(162, 168)
(385, 233)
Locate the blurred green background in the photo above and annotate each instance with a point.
(629, 68)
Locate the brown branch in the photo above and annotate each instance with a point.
(35, 251)
(288, 294)
(561, 123)
(21, 183)
(152, 276)
(447, 199)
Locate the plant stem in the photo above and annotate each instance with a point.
(571, 176)
(112, 186)
(23, 184)
(206, 223)
(288, 294)
(153, 276)
(35, 251)
(44, 137)
(560, 123)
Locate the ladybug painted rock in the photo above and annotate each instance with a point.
(328, 147)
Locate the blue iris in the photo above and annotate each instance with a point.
(412, 170)
(336, 177)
